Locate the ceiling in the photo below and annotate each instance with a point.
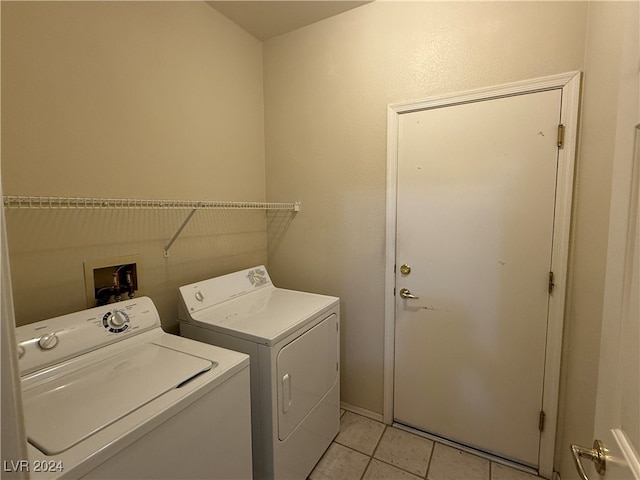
(267, 18)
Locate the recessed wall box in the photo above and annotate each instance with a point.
(111, 279)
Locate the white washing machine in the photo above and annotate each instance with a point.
(293, 340)
(108, 394)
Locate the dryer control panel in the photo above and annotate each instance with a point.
(207, 293)
(51, 341)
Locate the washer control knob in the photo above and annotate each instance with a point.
(117, 319)
(199, 296)
(48, 341)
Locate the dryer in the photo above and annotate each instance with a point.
(108, 394)
(293, 341)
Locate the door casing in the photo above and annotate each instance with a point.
(569, 83)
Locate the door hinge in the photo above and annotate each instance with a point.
(551, 282)
(560, 136)
(541, 420)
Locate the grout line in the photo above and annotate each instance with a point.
(364, 472)
(433, 449)
(379, 441)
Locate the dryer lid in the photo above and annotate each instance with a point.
(64, 411)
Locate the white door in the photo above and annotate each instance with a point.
(617, 422)
(617, 419)
(475, 218)
(13, 442)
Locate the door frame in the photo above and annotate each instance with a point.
(570, 84)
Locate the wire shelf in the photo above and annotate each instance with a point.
(89, 203)
(94, 203)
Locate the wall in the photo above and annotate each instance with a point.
(158, 100)
(327, 88)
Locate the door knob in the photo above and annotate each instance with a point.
(405, 293)
(595, 454)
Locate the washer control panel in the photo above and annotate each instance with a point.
(47, 342)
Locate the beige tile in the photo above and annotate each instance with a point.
(405, 450)
(452, 464)
(340, 463)
(378, 470)
(502, 472)
(360, 433)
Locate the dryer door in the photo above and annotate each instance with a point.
(307, 368)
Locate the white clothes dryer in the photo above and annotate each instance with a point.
(107, 394)
(292, 338)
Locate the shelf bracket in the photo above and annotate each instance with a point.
(179, 231)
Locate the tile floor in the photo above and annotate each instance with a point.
(369, 450)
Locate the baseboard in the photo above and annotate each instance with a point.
(362, 411)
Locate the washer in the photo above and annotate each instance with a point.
(108, 394)
(293, 340)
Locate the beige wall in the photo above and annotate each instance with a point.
(327, 87)
(159, 100)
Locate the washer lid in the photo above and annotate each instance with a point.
(265, 316)
(65, 410)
